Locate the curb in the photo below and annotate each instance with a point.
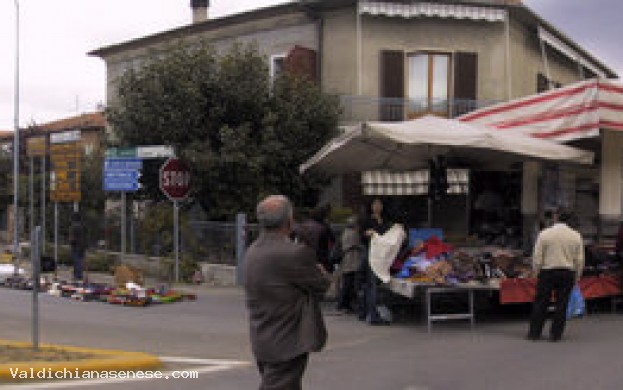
(106, 360)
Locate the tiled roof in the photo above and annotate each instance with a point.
(94, 119)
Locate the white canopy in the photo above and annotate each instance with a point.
(410, 144)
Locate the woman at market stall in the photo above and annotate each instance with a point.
(352, 249)
(374, 222)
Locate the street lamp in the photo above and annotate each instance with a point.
(16, 148)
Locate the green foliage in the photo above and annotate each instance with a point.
(157, 230)
(241, 135)
(100, 261)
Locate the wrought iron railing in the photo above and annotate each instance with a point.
(369, 108)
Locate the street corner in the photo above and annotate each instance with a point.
(53, 362)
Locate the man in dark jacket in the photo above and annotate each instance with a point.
(284, 286)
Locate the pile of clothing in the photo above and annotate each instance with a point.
(433, 261)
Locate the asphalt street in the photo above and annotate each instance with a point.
(402, 356)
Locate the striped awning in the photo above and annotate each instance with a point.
(573, 112)
(386, 183)
(415, 10)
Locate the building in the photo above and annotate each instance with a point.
(390, 59)
(35, 143)
(393, 60)
(91, 126)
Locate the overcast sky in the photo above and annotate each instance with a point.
(59, 80)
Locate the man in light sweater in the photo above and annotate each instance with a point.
(559, 260)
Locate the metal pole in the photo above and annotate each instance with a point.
(176, 239)
(55, 239)
(241, 225)
(43, 200)
(123, 224)
(31, 198)
(16, 149)
(35, 257)
(132, 246)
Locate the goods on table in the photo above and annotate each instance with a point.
(433, 261)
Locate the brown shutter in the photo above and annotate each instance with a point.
(465, 82)
(392, 85)
(301, 62)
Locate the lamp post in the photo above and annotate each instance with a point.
(16, 148)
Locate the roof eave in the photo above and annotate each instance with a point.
(559, 34)
(208, 25)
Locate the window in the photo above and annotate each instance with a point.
(433, 82)
(277, 65)
(428, 83)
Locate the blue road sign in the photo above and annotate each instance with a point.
(123, 186)
(123, 164)
(122, 176)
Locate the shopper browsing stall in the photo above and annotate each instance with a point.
(559, 260)
(375, 222)
(350, 264)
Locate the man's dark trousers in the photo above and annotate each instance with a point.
(286, 375)
(561, 281)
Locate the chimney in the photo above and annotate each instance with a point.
(200, 10)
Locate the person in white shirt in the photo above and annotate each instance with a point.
(559, 260)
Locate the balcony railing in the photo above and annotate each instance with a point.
(367, 108)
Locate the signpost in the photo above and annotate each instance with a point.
(65, 161)
(37, 147)
(65, 175)
(175, 184)
(122, 172)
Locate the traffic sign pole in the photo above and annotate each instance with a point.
(43, 177)
(55, 239)
(176, 238)
(123, 206)
(31, 198)
(175, 184)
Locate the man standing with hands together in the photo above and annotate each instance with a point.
(284, 286)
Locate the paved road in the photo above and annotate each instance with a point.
(401, 357)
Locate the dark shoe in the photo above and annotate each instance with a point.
(555, 339)
(532, 338)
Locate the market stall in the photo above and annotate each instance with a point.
(438, 144)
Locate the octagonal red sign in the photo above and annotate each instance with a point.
(174, 179)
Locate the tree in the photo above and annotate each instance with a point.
(241, 135)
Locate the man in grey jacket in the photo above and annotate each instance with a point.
(284, 286)
(559, 260)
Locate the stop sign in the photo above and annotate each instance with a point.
(174, 179)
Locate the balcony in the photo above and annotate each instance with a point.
(367, 108)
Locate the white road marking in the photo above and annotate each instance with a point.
(210, 366)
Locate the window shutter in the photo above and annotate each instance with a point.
(300, 62)
(392, 85)
(465, 82)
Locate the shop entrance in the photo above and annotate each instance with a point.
(495, 204)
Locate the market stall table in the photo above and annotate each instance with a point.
(592, 287)
(410, 289)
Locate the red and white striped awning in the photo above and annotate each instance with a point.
(573, 112)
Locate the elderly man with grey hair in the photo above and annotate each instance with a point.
(284, 286)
